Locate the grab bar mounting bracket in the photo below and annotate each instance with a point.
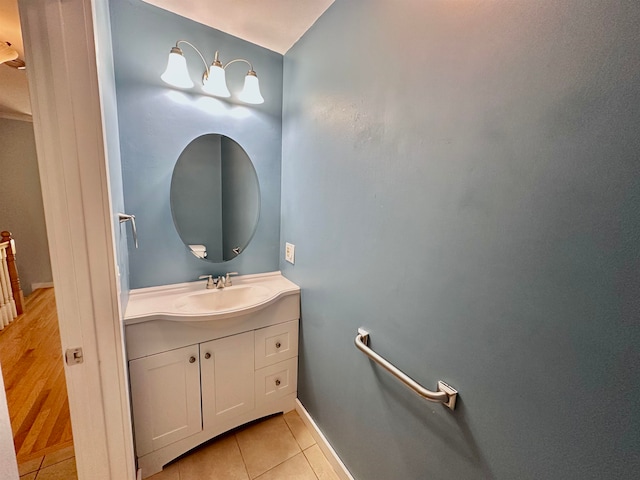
(451, 392)
(365, 336)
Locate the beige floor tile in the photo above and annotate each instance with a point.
(58, 456)
(320, 464)
(296, 468)
(30, 466)
(266, 444)
(220, 460)
(299, 429)
(170, 472)
(65, 470)
(29, 476)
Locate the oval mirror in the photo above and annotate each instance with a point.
(215, 198)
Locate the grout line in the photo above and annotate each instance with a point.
(292, 434)
(275, 466)
(40, 467)
(309, 463)
(281, 415)
(244, 463)
(56, 463)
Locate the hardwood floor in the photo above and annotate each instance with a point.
(31, 360)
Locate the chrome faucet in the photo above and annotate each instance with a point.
(227, 280)
(210, 282)
(220, 282)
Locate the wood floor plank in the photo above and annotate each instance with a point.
(32, 365)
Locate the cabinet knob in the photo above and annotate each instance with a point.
(192, 359)
(278, 344)
(277, 382)
(207, 355)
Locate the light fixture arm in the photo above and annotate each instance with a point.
(206, 66)
(239, 60)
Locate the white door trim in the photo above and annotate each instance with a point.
(63, 82)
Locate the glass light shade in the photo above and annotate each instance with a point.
(7, 52)
(251, 91)
(176, 73)
(216, 83)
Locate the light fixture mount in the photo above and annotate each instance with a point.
(214, 79)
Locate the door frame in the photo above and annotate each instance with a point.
(67, 117)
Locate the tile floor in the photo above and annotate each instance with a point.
(59, 465)
(277, 448)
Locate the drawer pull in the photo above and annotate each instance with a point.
(192, 359)
(278, 344)
(277, 382)
(207, 355)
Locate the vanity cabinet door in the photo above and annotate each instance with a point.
(227, 378)
(165, 395)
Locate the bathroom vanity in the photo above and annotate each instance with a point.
(203, 361)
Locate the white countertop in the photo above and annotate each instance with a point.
(163, 302)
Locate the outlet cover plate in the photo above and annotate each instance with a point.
(290, 252)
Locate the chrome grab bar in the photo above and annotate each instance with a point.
(446, 394)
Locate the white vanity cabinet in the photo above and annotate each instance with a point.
(192, 380)
(227, 372)
(165, 392)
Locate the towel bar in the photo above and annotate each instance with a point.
(130, 218)
(446, 394)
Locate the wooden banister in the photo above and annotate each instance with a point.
(18, 295)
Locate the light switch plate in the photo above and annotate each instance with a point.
(290, 252)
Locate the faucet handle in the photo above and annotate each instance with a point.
(210, 283)
(227, 280)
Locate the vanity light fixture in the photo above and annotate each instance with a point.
(7, 52)
(214, 79)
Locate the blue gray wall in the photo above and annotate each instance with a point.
(106, 74)
(462, 179)
(157, 122)
(21, 208)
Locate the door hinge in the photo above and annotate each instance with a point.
(74, 356)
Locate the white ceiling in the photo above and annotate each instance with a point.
(273, 24)
(14, 93)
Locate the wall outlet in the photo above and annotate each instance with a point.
(290, 252)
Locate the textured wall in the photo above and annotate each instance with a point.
(157, 122)
(462, 179)
(21, 209)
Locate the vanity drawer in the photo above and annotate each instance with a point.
(276, 381)
(276, 343)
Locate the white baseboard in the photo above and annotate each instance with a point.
(35, 286)
(323, 443)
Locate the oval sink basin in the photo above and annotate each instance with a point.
(230, 298)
